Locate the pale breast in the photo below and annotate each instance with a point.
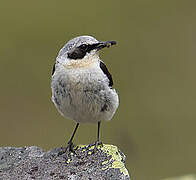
(82, 94)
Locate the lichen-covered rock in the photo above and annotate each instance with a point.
(106, 163)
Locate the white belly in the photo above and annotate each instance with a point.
(83, 95)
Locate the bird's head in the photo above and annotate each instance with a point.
(83, 47)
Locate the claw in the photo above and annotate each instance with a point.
(98, 143)
(95, 146)
(70, 147)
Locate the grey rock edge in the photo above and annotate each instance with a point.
(106, 163)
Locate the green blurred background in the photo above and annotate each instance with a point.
(153, 69)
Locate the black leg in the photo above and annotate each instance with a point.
(71, 139)
(98, 131)
(98, 142)
(70, 143)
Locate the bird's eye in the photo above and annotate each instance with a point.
(83, 46)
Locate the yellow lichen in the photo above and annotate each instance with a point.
(110, 150)
(68, 161)
(116, 157)
(89, 152)
(105, 162)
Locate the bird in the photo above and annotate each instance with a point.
(82, 86)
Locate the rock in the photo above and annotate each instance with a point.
(106, 163)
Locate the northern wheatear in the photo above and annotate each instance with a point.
(82, 85)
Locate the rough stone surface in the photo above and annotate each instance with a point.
(33, 163)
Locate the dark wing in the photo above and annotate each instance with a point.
(53, 69)
(106, 72)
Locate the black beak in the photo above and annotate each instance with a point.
(104, 44)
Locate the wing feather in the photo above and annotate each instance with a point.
(53, 69)
(107, 73)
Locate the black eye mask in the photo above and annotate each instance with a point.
(76, 54)
(79, 52)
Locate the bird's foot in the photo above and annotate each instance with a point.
(69, 147)
(95, 146)
(98, 144)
